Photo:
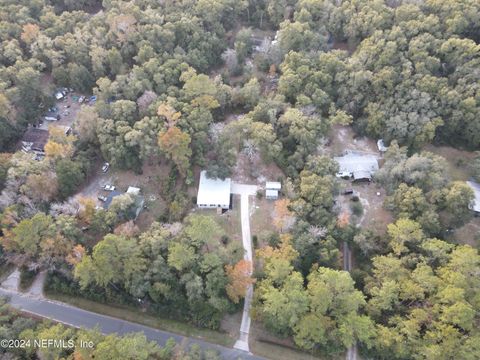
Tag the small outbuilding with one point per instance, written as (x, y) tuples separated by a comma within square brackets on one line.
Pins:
[(213, 192), (381, 146), (272, 189), (475, 205), (133, 190)]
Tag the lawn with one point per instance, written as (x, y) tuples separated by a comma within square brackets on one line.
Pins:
[(261, 220), (269, 346), (144, 318), (26, 279), (5, 270), (468, 234), (458, 161), (230, 221)]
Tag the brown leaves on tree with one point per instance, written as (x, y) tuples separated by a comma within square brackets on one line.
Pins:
[(174, 143), (239, 277), (282, 215)]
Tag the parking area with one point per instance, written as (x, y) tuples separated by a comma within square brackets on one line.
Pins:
[(149, 182), (65, 110)]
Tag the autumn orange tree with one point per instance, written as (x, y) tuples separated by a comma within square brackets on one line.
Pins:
[(59, 145), (239, 277), (282, 214), (29, 33), (174, 143)]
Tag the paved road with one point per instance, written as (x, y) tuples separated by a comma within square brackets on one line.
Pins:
[(245, 191), (79, 318)]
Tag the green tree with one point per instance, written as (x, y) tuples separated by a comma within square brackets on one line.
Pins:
[(70, 175)]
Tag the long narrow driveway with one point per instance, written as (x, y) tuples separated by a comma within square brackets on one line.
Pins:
[(79, 318), (245, 191)]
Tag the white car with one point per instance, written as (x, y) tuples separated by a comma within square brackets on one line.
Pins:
[(105, 167), (102, 198), (344, 174), (109, 187)]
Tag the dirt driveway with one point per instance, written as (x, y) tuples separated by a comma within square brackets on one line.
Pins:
[(67, 109), (372, 197)]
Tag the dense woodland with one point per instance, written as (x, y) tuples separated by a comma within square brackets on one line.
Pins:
[(166, 75), (130, 347)]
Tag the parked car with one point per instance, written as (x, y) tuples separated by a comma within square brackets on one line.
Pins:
[(109, 187), (102, 198), (81, 99), (347, 192), (343, 175), (105, 167)]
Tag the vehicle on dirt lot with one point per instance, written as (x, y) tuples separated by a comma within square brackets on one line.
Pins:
[(109, 187), (105, 167), (102, 198)]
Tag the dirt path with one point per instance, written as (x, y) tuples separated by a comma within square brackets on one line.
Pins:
[(12, 281), (37, 286)]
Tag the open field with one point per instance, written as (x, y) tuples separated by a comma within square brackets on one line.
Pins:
[(468, 234), (458, 161)]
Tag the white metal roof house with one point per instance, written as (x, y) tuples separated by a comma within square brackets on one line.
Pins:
[(359, 165), (213, 193), (475, 205)]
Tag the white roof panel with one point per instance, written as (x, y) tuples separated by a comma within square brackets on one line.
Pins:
[(354, 162), (213, 191), (273, 185), (133, 190), (271, 193), (476, 202)]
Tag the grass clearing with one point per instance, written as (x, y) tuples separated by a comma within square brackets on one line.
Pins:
[(26, 279), (261, 220), (5, 270), (458, 160), (230, 221), (469, 234), (138, 316), (269, 346)]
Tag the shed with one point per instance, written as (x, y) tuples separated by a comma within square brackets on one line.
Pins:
[(273, 185), (271, 190), (271, 194), (381, 146), (475, 205), (133, 190), (213, 192)]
